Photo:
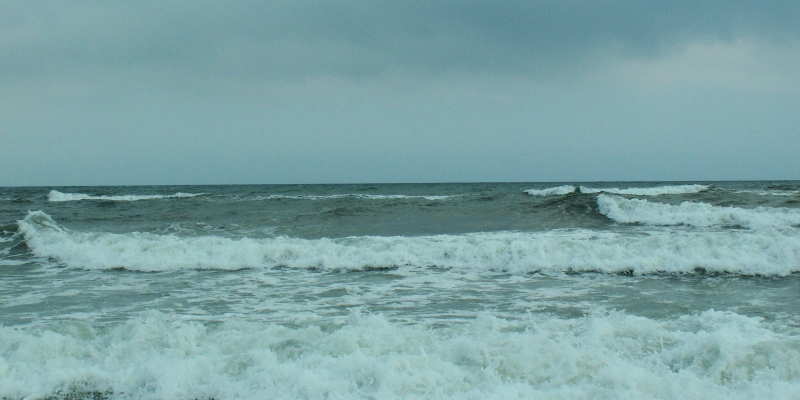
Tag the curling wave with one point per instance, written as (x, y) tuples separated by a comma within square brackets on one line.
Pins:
[(624, 210), (57, 196), (764, 252)]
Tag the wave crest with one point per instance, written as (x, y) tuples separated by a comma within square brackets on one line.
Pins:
[(354, 196), (554, 191), (56, 196), (651, 191), (627, 211), (765, 252)]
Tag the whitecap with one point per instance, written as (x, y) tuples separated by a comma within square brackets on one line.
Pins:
[(649, 191), (763, 252), (640, 211), (771, 192), (354, 195), (57, 196), (553, 191)]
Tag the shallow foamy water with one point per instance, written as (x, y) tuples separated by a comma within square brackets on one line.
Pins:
[(624, 290)]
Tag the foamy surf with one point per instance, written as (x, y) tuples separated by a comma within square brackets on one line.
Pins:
[(764, 252), (553, 191), (651, 191), (353, 196), (711, 355), (57, 196), (11, 262), (624, 210), (771, 192)]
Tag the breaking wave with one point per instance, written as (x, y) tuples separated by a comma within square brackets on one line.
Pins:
[(712, 355), (763, 252), (55, 196), (353, 196), (624, 210), (771, 192), (652, 191), (554, 191)]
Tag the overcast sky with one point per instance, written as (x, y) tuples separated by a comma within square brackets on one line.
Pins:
[(216, 92)]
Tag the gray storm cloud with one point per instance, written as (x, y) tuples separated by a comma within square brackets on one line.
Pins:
[(124, 92), (291, 40)]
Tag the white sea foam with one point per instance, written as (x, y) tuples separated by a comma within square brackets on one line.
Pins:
[(352, 195), (55, 195), (7, 262), (771, 192), (694, 214), (713, 355), (4, 261), (650, 191), (765, 252), (553, 191)]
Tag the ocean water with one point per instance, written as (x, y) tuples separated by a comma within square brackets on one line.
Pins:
[(623, 290)]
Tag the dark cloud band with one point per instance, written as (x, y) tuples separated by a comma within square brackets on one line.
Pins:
[(289, 40)]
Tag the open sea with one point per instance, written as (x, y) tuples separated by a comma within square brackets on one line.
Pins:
[(620, 290)]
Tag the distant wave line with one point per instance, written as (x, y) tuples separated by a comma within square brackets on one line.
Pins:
[(56, 196), (650, 191), (355, 195)]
